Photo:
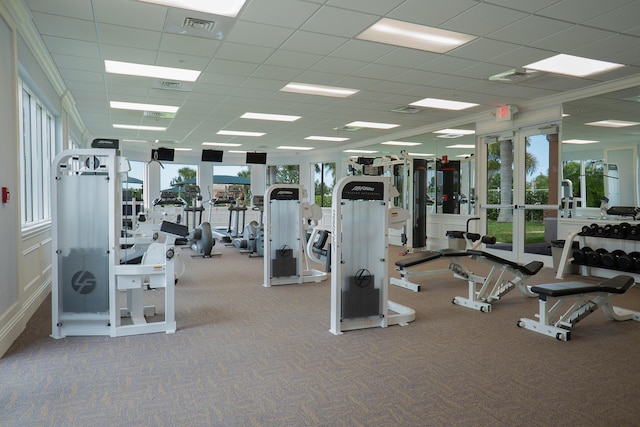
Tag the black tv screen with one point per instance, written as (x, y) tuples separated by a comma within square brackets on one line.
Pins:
[(212, 156), (257, 158), (162, 154)]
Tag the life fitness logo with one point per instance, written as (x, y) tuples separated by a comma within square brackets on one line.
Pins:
[(363, 191), (83, 282)]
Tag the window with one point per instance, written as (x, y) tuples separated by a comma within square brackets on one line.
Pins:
[(324, 179), (283, 174), (37, 148)]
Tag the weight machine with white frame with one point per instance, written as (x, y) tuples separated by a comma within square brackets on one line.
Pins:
[(87, 275), (359, 262)]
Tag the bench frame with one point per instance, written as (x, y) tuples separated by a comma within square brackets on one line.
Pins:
[(558, 314)]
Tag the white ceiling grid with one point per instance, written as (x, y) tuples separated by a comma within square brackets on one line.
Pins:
[(274, 42)]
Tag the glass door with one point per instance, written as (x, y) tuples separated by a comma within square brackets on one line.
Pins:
[(537, 195), (520, 206)]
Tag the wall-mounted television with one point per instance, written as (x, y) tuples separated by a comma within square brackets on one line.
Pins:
[(212, 156), (162, 154), (257, 158)]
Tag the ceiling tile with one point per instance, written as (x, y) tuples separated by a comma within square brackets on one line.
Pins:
[(483, 49), (319, 78), (524, 5), (361, 50), (338, 65), (72, 47), (80, 9), (606, 47), (529, 30), (285, 58), (78, 63), (620, 19), (252, 33), (405, 57), (236, 68), (320, 44), (195, 46), (60, 26), (446, 64), (272, 12), (128, 54), (127, 13), (570, 39), (243, 52), (379, 71), (430, 12), (276, 73), (130, 37), (177, 60), (339, 22), (580, 10), (483, 19)]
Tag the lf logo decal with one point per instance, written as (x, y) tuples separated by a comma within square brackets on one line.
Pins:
[(83, 282)]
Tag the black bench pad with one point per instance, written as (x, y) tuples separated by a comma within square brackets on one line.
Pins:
[(418, 259), (529, 269), (616, 285)]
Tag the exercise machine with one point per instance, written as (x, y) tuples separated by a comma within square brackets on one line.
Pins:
[(200, 238), (237, 208), (88, 279), (359, 261), (564, 304), (252, 239), (288, 215)]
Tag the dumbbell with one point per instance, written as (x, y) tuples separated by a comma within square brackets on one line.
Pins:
[(625, 226), (489, 240), (635, 256), (625, 262), (610, 259), (633, 232), (617, 232), (589, 230), (580, 255), (594, 258), (600, 231)]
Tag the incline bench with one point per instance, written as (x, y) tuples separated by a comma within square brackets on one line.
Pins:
[(582, 299), (404, 265), (502, 278)]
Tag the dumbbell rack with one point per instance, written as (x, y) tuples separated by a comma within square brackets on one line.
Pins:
[(608, 235)]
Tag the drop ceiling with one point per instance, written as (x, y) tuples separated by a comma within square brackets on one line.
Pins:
[(274, 42)]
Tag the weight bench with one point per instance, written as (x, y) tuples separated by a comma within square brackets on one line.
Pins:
[(404, 265), (582, 299), (503, 277)]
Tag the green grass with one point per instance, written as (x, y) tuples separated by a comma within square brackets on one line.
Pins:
[(503, 231)]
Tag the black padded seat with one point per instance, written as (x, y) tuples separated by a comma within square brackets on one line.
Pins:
[(418, 259), (529, 269), (455, 234), (563, 289), (616, 285), (448, 252)]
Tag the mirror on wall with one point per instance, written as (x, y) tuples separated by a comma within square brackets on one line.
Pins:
[(600, 139), (450, 166)]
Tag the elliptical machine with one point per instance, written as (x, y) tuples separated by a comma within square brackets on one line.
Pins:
[(252, 239), (200, 239)]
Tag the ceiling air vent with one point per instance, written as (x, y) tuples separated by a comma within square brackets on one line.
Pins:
[(406, 110), (158, 115), (347, 128), (171, 85), (514, 75), (198, 24)]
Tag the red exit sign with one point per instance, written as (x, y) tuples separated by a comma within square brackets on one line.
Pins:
[(504, 113)]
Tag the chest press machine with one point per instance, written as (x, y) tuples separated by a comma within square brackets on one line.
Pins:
[(562, 305)]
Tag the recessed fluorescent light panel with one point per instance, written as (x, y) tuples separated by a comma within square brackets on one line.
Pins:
[(360, 151), (414, 36), (456, 131), (239, 133), (183, 149), (141, 70), (309, 89), (401, 143), (326, 138), (229, 8), (290, 147), (421, 154), (575, 66), (462, 146), (443, 104), (372, 125), (221, 144), (579, 141), (274, 117), (237, 151), (143, 107), (136, 127), (613, 123)]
